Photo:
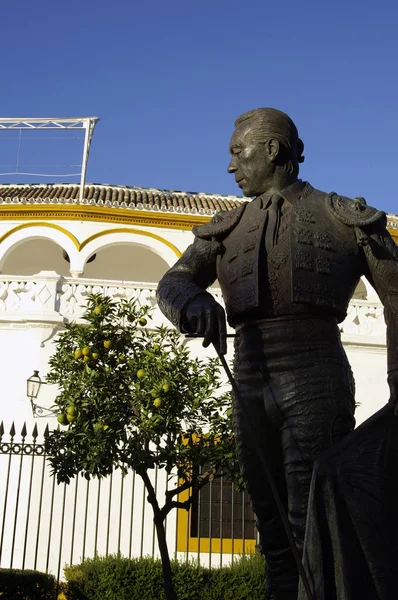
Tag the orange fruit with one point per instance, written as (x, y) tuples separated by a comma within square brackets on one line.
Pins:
[(62, 419)]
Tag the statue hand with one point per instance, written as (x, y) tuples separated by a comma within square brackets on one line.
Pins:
[(205, 317), (393, 384)]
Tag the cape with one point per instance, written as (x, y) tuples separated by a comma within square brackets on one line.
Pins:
[(351, 543)]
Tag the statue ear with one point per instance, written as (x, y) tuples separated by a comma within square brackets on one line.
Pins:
[(272, 148)]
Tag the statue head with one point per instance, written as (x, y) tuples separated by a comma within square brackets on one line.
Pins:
[(265, 142)]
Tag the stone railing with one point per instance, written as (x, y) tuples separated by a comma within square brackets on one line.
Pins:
[(364, 318), (72, 293), (51, 299)]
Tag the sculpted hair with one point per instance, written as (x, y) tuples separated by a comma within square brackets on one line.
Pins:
[(273, 123)]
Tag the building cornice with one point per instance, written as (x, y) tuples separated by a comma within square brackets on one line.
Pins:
[(106, 214)]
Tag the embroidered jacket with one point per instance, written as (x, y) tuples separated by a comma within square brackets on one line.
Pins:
[(329, 243)]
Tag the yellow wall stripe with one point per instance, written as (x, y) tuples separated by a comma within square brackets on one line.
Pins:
[(124, 216)]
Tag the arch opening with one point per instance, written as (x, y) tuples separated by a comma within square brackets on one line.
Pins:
[(361, 292), (126, 262), (30, 256)]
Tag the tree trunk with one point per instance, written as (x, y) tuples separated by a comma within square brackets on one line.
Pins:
[(161, 535), (166, 566)]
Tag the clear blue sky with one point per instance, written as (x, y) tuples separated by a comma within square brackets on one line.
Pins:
[(168, 78)]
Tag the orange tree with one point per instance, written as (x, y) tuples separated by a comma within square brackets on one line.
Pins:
[(131, 397)]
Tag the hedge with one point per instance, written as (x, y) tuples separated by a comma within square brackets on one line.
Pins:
[(16, 584), (118, 578)]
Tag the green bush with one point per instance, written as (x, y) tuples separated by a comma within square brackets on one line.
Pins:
[(27, 585), (117, 578), (240, 581)]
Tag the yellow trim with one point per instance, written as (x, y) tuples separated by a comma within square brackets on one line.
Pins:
[(137, 231), (185, 543), (111, 215), (394, 234), (80, 246), (42, 224), (105, 214)]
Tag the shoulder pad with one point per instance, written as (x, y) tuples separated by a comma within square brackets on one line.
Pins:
[(354, 212), (221, 224)]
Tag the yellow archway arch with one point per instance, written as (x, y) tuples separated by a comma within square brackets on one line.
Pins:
[(131, 230), (81, 245), (41, 224)]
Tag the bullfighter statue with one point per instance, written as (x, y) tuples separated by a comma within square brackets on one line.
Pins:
[(288, 262)]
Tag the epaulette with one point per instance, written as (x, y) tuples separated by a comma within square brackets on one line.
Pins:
[(353, 211), (221, 224)]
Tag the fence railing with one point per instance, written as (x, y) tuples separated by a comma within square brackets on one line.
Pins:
[(44, 525), (47, 297)]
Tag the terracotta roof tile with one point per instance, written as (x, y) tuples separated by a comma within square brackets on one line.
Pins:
[(126, 197), (112, 195)]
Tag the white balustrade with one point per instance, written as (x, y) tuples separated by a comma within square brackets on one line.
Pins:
[(364, 318), (48, 297)]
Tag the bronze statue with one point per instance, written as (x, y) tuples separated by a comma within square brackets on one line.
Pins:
[(288, 263)]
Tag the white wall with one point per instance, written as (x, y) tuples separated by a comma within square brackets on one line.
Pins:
[(369, 365), (28, 324)]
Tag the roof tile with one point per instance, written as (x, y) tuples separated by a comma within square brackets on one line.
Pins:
[(126, 197)]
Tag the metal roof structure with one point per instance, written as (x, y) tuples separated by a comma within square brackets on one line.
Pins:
[(87, 124)]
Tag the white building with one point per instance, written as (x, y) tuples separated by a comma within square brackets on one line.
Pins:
[(54, 250)]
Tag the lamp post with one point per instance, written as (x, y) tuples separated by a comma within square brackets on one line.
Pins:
[(33, 385)]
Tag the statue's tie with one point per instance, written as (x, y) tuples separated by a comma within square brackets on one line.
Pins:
[(273, 207)]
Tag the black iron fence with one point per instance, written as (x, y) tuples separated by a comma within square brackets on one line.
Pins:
[(44, 525)]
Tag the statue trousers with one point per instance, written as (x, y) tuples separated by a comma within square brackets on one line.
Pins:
[(298, 390)]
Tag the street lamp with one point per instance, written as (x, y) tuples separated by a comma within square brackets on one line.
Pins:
[(33, 385)]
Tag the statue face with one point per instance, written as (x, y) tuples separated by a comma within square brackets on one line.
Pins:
[(250, 163)]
